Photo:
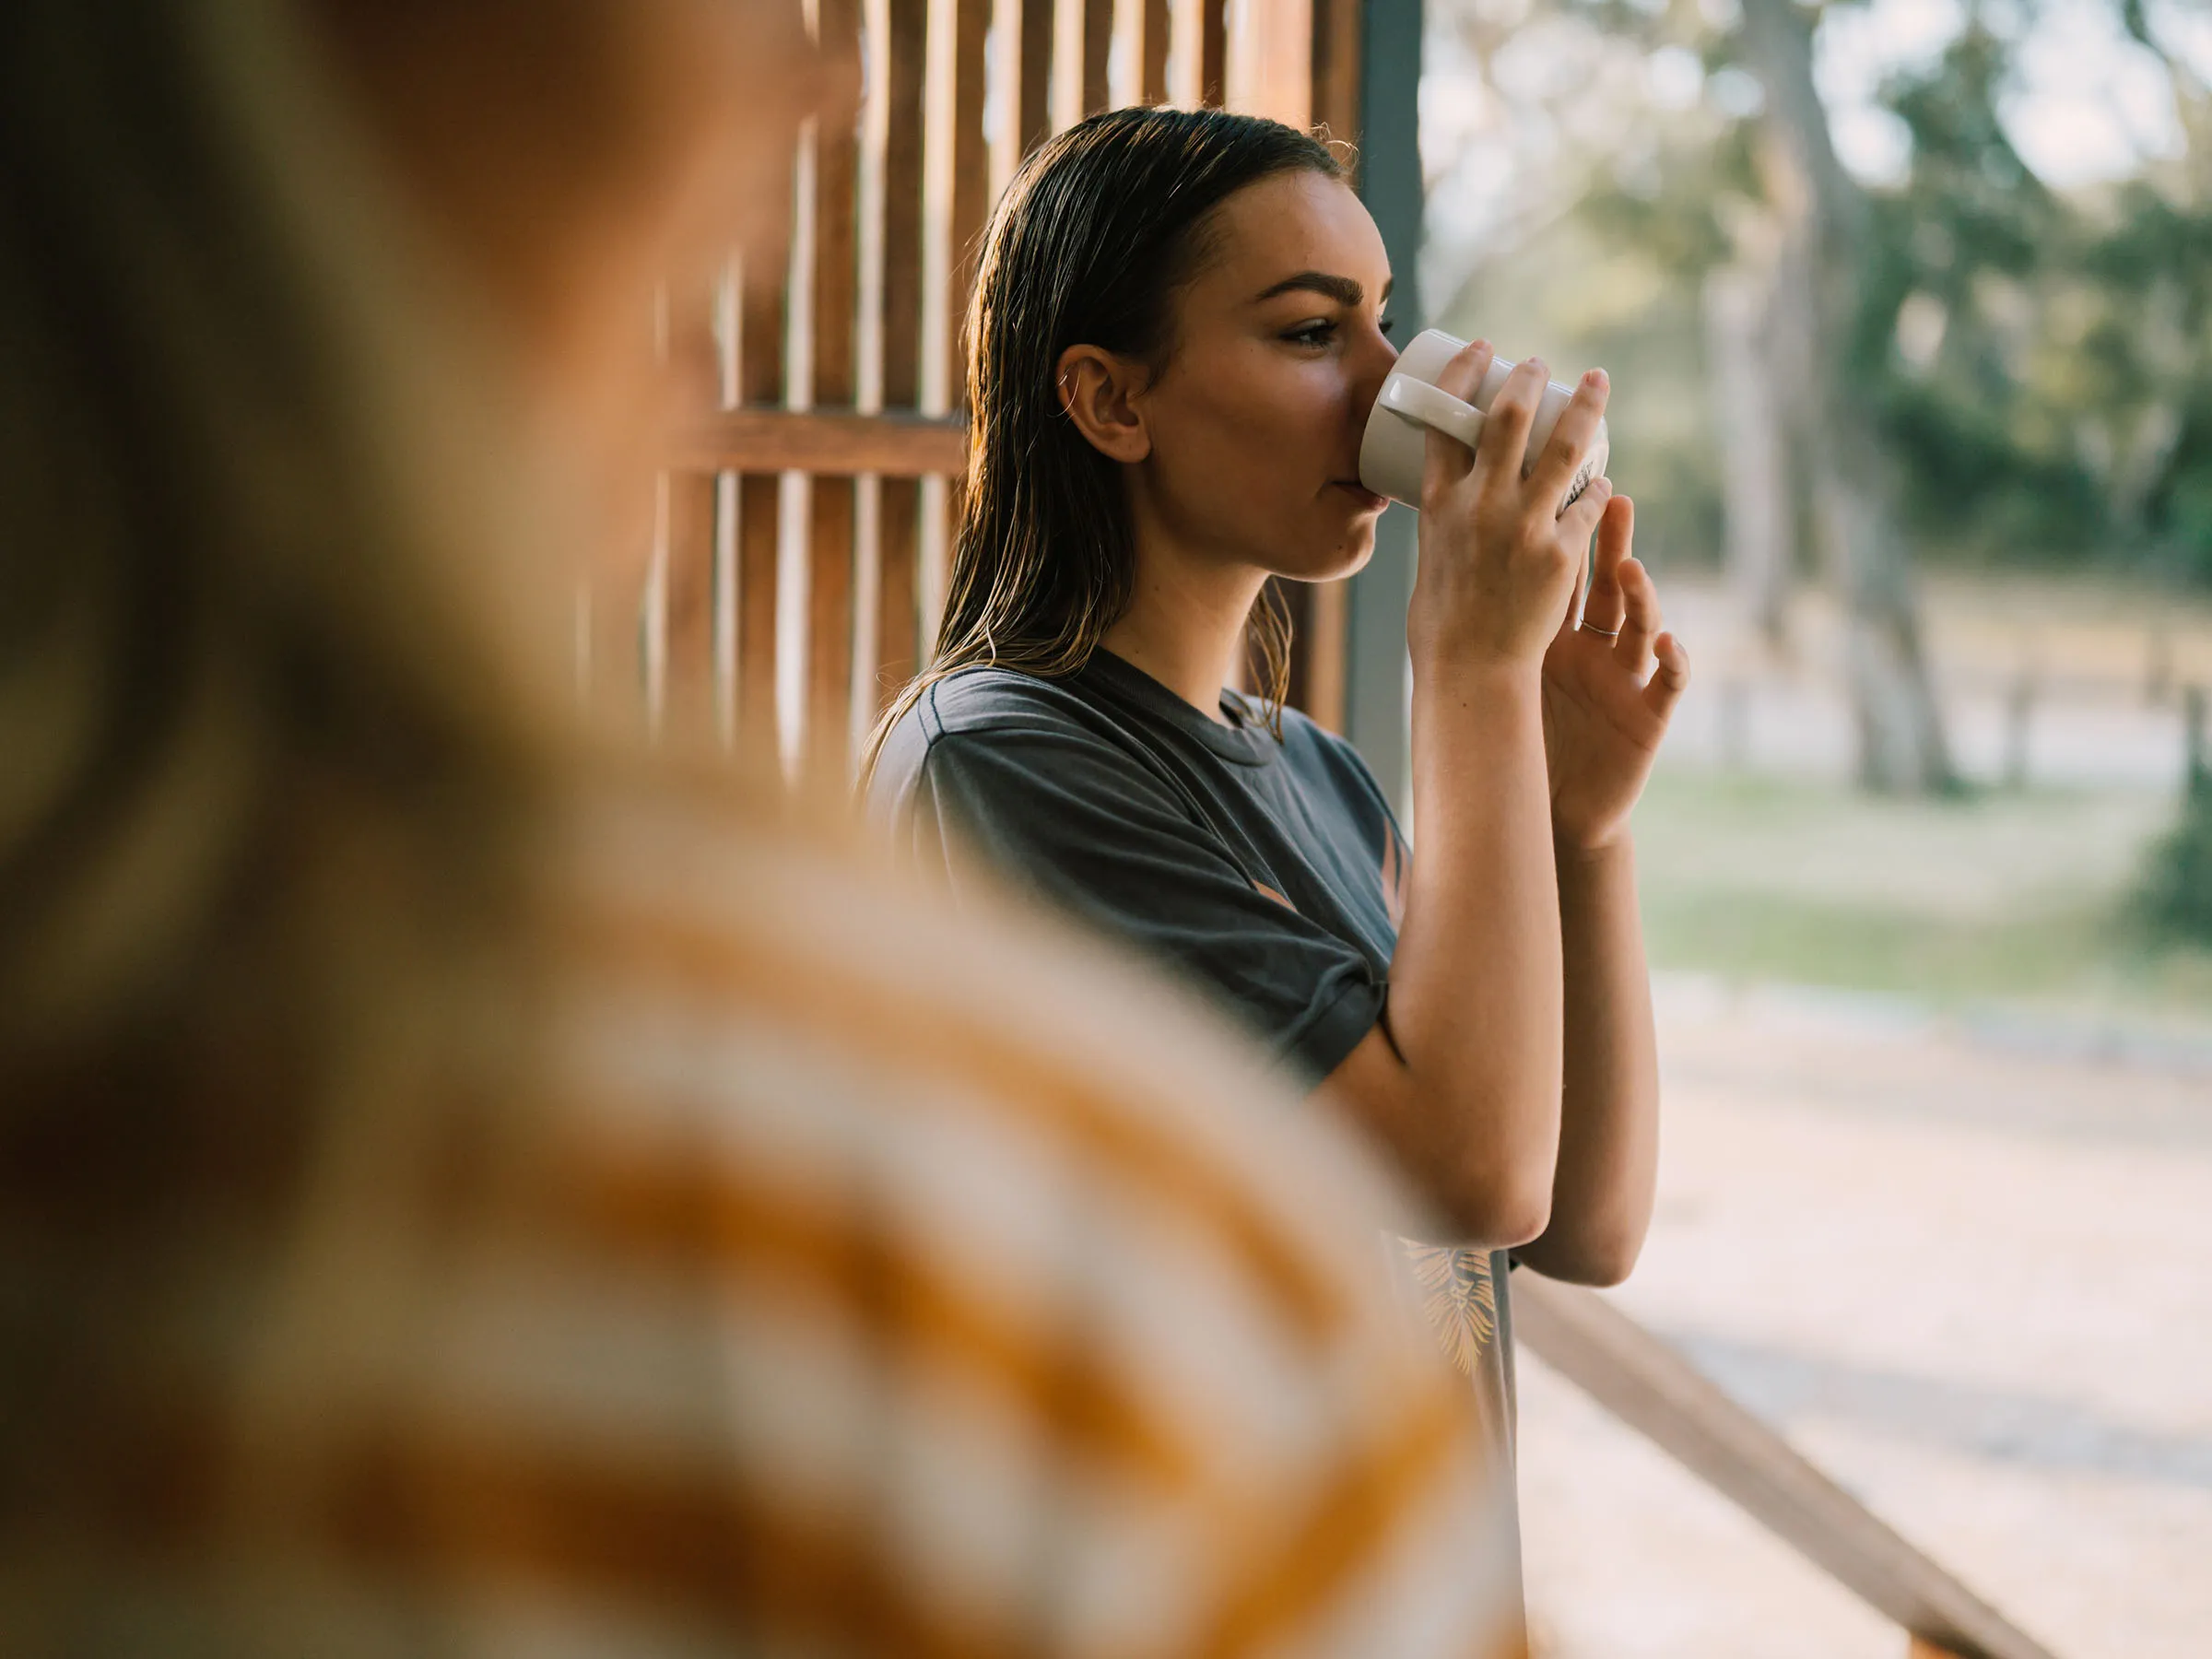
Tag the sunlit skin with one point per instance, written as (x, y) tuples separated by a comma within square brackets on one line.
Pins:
[(1515, 1072)]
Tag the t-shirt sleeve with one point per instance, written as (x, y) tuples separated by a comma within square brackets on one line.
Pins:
[(1074, 819)]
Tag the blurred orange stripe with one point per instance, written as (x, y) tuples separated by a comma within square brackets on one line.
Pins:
[(700, 1212), (911, 1037)]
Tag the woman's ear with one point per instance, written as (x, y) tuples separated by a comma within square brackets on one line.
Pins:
[(1099, 391)]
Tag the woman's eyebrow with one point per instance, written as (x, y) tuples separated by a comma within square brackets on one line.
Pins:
[(1343, 290)]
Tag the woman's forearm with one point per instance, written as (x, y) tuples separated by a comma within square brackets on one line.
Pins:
[(1475, 1013), (1608, 1154), (1462, 1077)]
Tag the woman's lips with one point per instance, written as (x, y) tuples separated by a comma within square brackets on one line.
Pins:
[(1367, 498)]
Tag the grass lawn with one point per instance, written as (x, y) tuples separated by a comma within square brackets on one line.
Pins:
[(1999, 896)]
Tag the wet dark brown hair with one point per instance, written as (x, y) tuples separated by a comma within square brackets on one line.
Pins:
[(1097, 233)]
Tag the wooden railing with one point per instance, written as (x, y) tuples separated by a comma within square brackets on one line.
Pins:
[(1653, 1389), (831, 442), (798, 558)]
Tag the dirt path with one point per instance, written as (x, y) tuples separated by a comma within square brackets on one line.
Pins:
[(1975, 1285)]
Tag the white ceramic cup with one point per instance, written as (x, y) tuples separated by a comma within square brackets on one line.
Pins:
[(1393, 450)]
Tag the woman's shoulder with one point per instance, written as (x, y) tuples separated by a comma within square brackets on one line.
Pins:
[(991, 708), (982, 700)]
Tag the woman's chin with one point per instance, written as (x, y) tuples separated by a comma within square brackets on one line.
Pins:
[(1347, 557)]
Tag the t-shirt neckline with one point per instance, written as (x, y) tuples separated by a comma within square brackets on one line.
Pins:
[(1245, 741)]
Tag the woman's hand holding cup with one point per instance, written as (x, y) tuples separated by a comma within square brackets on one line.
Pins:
[(1500, 561)]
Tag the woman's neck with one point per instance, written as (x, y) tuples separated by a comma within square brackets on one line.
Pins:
[(1185, 622)]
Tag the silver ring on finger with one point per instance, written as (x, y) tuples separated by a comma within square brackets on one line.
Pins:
[(1609, 633)]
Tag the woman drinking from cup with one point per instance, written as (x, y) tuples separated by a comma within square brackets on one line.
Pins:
[(1175, 342)]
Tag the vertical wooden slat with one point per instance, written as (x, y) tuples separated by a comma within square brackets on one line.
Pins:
[(1033, 110), (1097, 48), (898, 622), (688, 710), (687, 707), (1157, 24), (722, 620), (760, 378), (1336, 68), (829, 536), (1317, 653), (1270, 65), (971, 173), (1213, 51), (971, 201)]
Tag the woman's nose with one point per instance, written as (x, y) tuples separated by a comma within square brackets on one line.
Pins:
[(1371, 368)]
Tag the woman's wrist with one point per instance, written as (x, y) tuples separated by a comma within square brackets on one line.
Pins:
[(1591, 858), (1460, 671)]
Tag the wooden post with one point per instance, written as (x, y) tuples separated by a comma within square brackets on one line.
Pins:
[(1390, 184)]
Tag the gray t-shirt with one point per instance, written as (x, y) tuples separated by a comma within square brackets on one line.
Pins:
[(1270, 874)]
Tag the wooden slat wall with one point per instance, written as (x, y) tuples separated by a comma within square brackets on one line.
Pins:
[(700, 649)]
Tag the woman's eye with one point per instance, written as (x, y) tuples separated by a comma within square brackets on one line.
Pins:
[(1312, 334), (1387, 325)]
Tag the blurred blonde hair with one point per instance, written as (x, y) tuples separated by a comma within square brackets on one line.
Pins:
[(275, 739), (248, 545)]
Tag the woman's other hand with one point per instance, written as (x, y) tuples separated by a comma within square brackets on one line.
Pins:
[(1610, 686), (1498, 561)]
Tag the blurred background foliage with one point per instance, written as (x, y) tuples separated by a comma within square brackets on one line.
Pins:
[(2014, 297), (2041, 354)]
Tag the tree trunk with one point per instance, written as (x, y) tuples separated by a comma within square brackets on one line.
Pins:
[(1759, 519), (1852, 477)]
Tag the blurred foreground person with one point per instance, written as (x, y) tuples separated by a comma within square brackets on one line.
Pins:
[(464, 1190)]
